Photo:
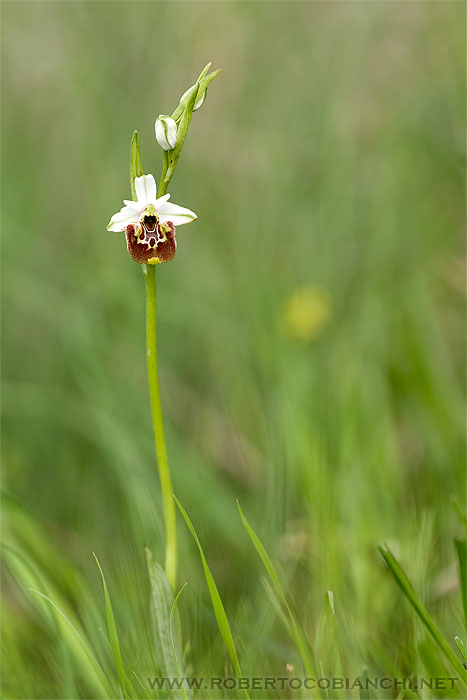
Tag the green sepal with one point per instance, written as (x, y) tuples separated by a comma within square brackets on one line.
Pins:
[(136, 168)]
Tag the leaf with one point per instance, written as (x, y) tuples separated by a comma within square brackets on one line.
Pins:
[(460, 546), (100, 675), (409, 592), (113, 636), (161, 611), (136, 168), (219, 610)]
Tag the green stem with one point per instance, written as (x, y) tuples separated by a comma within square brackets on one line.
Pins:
[(161, 450), (162, 189)]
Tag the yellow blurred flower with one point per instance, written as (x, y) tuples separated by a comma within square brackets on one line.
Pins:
[(305, 312)]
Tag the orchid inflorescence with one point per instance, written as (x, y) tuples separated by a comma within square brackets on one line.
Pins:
[(149, 219)]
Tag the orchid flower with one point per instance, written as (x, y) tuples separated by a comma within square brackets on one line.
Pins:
[(149, 223)]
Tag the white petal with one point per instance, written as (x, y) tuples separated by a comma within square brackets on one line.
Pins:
[(146, 189), (133, 205), (122, 218), (177, 215), (162, 199), (125, 213)]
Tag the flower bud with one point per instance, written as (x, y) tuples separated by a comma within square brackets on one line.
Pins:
[(166, 132), (198, 103)]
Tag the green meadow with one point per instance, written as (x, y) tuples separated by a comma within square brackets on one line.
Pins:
[(311, 350)]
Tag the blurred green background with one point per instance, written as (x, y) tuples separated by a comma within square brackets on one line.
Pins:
[(311, 326)]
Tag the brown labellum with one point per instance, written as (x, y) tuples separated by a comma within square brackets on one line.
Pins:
[(151, 242)]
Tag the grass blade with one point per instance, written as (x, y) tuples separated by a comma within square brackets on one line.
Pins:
[(460, 546), (364, 692), (219, 610), (326, 645), (145, 690), (462, 649), (113, 636), (100, 675), (409, 592), (27, 576), (460, 512), (278, 606), (294, 628), (263, 555)]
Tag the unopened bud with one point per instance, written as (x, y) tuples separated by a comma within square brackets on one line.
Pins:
[(198, 103), (166, 132)]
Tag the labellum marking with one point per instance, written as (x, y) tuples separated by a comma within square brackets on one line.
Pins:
[(147, 227)]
